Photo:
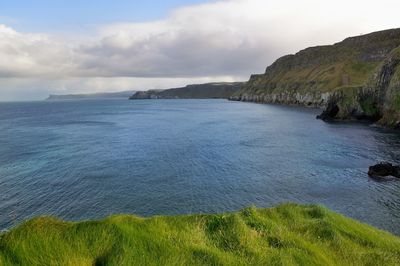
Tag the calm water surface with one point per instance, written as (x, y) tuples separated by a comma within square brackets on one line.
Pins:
[(88, 159)]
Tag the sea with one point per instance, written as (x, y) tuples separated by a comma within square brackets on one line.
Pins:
[(88, 159)]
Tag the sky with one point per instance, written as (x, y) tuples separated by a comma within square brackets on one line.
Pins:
[(78, 15), (71, 46)]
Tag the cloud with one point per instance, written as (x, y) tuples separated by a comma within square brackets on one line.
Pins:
[(231, 39), (28, 55)]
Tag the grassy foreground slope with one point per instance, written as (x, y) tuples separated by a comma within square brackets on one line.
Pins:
[(286, 235)]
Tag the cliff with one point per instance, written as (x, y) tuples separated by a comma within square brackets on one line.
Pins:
[(198, 91), (357, 78)]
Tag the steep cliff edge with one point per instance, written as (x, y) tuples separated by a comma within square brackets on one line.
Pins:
[(388, 90), (357, 78)]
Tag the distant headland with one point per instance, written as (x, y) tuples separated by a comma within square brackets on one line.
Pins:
[(101, 95), (221, 90)]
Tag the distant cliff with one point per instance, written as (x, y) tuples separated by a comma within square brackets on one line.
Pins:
[(105, 95), (221, 90), (358, 78)]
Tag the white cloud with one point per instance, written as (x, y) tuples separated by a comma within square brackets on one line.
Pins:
[(26, 55), (231, 38)]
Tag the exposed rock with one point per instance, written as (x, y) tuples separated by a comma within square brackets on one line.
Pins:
[(352, 103), (388, 90), (378, 100), (384, 169), (330, 112), (310, 99)]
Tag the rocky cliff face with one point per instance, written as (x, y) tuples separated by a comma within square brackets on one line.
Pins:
[(358, 78), (378, 100), (289, 97), (388, 90)]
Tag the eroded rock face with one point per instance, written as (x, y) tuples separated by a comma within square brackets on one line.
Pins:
[(388, 88), (384, 169), (378, 100), (330, 112), (310, 99), (355, 103)]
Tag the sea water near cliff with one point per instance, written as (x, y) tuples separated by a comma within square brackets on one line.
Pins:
[(87, 159)]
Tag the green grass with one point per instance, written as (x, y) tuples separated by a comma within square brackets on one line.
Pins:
[(396, 101), (286, 235)]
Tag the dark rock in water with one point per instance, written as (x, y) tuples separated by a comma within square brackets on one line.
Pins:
[(330, 112), (384, 169)]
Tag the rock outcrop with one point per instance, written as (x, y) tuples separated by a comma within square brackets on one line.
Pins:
[(384, 169), (358, 78), (221, 90), (330, 112)]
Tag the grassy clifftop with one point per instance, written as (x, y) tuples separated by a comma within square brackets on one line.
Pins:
[(325, 68), (286, 235)]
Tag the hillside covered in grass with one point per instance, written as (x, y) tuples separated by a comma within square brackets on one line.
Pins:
[(286, 235), (221, 90), (358, 76)]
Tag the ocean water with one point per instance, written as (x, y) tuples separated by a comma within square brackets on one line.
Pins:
[(88, 159)]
